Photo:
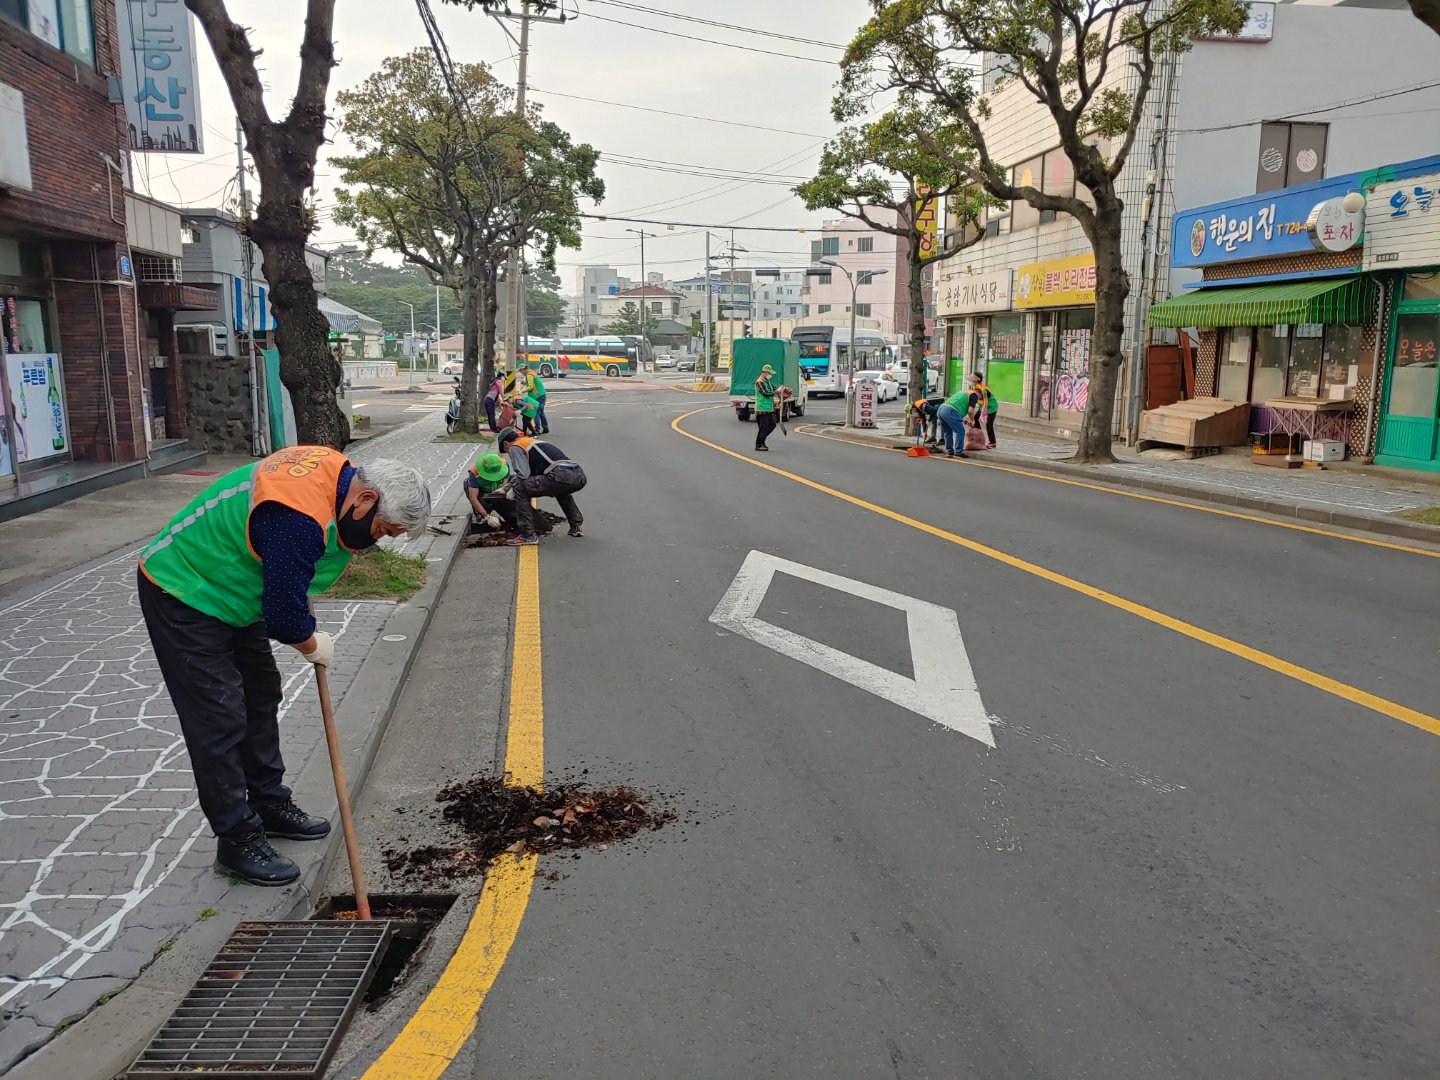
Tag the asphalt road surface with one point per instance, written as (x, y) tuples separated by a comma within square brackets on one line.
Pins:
[(1179, 858)]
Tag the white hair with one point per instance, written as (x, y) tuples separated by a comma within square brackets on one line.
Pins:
[(404, 494)]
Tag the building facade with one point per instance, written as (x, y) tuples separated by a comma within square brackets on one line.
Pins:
[(593, 284), (73, 383), (778, 294), (861, 250), (1253, 113)]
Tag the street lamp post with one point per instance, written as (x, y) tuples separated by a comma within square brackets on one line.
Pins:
[(850, 345), (410, 366)]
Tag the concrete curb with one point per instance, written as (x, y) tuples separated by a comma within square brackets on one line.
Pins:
[(1301, 512), (102, 1045)]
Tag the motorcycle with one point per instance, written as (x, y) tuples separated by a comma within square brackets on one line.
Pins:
[(452, 411)]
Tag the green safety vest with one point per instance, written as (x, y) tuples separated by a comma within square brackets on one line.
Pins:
[(204, 558)]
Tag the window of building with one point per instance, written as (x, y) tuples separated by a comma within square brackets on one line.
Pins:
[(865, 243), (822, 309), (823, 279), (1026, 174), (1234, 380), (1422, 287), (594, 309), (862, 310), (65, 24), (864, 277), (1308, 360), (830, 245), (1290, 154)]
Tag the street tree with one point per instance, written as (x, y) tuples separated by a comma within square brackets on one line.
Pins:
[(1428, 12), (884, 163), (626, 321), (449, 176), (1088, 64), (284, 153)]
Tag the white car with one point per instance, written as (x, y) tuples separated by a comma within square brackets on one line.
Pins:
[(901, 371), (664, 361), (452, 367), (887, 388)]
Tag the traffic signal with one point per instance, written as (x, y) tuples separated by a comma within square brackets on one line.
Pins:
[(746, 329)]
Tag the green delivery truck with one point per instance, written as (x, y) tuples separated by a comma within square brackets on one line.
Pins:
[(750, 355)]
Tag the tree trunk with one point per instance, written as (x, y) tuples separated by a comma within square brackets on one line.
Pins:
[(1112, 286), (489, 305), (916, 388), (470, 375), (308, 368)]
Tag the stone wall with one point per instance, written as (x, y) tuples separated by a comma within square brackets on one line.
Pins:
[(217, 390)]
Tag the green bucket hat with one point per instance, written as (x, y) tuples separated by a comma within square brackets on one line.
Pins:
[(768, 370), (492, 467)]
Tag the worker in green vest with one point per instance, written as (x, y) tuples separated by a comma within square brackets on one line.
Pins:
[(234, 569), (536, 389), (484, 481)]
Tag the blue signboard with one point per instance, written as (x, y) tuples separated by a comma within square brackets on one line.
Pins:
[(1273, 223), (1257, 227)]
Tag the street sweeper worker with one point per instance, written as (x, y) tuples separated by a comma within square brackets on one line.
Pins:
[(540, 468), (234, 569), (484, 484)]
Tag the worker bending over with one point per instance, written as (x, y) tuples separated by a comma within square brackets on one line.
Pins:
[(233, 569), (540, 468), (484, 484)]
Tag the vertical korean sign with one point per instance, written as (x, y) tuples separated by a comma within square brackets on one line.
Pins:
[(925, 219), (161, 85)]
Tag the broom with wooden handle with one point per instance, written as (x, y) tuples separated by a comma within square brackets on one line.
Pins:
[(337, 770)]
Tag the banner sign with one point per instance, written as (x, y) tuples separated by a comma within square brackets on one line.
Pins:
[(926, 218), (37, 408), (1403, 223), (973, 292), (158, 77), (1056, 283), (1257, 227)]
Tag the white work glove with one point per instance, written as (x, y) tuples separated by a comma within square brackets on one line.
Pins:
[(494, 520), (324, 652), (510, 493)]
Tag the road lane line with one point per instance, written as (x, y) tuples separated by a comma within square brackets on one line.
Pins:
[(1353, 694), (803, 429), (446, 1019)]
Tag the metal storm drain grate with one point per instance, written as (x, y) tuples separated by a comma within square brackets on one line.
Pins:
[(273, 1002)]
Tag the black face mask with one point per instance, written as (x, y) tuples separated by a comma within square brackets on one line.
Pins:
[(355, 532)]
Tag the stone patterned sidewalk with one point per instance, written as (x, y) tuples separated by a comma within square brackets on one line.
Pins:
[(104, 855)]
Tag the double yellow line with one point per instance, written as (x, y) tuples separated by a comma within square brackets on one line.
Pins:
[(428, 1043), (1353, 694)]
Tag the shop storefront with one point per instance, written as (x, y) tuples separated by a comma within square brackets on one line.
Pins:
[(1287, 319), (34, 431), (1403, 236), (1061, 293), (964, 302)]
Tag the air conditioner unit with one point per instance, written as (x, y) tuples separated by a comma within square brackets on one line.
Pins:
[(203, 339)]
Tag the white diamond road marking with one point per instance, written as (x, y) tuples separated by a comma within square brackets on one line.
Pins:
[(944, 688), (104, 854)]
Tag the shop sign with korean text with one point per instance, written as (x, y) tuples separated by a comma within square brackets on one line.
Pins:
[(965, 293), (1056, 283), (1258, 227), (1259, 26), (158, 77), (37, 405), (1403, 224), (926, 217)]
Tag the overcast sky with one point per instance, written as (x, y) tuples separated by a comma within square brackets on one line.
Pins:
[(594, 61)]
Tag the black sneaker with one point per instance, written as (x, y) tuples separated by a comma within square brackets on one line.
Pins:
[(251, 857), (575, 531), (289, 822)]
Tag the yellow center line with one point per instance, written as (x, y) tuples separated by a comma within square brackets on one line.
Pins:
[(804, 429), (1224, 644), (428, 1043)]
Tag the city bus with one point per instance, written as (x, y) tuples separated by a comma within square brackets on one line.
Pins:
[(616, 356), (825, 356)]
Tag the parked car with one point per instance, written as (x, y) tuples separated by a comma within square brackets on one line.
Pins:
[(900, 369), (452, 367), (685, 363), (887, 387), (664, 361)]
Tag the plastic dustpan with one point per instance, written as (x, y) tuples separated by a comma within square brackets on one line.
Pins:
[(917, 451)]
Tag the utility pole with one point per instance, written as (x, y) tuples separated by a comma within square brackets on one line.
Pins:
[(410, 367), (437, 330), (644, 309), (707, 304), (258, 442)]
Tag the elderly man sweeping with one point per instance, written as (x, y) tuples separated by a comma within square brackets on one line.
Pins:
[(232, 570)]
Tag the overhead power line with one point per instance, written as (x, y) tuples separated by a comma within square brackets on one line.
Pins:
[(667, 112), (704, 225), (721, 25), (710, 41)]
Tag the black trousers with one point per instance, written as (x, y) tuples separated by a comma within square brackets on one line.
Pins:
[(560, 483), (990, 428), (764, 425), (227, 692)]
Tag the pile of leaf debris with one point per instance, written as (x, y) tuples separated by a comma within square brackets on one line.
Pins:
[(483, 536), (492, 817)]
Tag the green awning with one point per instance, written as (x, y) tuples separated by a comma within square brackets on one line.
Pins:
[(1345, 300)]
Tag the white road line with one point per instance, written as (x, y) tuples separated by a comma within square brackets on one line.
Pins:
[(944, 688)]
